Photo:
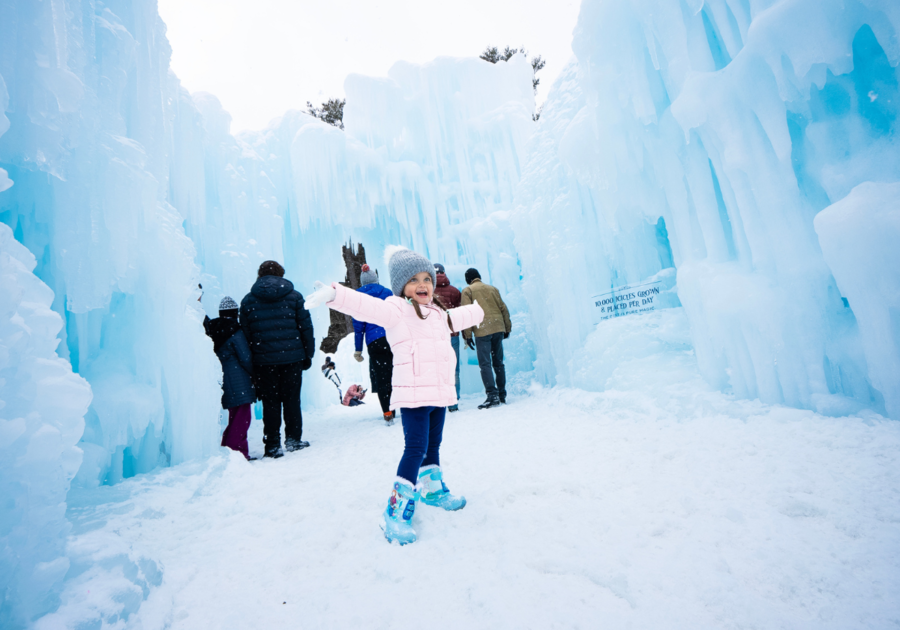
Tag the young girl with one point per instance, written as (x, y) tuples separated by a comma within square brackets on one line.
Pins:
[(230, 345), (418, 329)]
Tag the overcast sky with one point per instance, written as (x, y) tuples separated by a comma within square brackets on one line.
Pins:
[(264, 57)]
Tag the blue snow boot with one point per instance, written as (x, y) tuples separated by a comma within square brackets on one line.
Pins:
[(433, 490), (399, 512)]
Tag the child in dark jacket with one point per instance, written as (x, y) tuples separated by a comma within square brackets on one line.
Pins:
[(381, 359), (231, 347)]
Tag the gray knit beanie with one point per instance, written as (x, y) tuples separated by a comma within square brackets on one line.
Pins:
[(227, 304), (368, 276), (403, 264)]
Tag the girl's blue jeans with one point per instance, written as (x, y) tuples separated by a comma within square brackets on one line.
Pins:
[(423, 428)]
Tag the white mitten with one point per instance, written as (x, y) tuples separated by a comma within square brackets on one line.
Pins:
[(320, 296), (358, 356)]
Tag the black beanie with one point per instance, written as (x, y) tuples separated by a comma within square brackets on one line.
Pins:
[(471, 275)]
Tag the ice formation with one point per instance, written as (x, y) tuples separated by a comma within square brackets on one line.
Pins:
[(860, 236), (42, 407), (95, 126), (741, 153), (706, 136)]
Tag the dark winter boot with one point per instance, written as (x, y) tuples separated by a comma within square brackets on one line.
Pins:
[(295, 445), (492, 401), (389, 417), (503, 399), (274, 453), (453, 408)]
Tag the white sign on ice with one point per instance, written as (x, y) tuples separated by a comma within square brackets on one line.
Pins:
[(633, 298)]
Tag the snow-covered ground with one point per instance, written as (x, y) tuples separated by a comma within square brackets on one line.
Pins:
[(658, 503)]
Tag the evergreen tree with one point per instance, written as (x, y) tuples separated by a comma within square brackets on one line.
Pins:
[(490, 54), (537, 63), (331, 111), (493, 55)]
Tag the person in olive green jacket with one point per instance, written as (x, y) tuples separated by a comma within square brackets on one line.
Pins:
[(489, 336)]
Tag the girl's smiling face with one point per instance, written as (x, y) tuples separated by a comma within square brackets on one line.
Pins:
[(419, 288)]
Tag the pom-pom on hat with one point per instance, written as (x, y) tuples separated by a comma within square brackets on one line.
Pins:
[(368, 276), (227, 304), (404, 264)]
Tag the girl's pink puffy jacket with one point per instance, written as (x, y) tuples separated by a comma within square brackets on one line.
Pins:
[(424, 361)]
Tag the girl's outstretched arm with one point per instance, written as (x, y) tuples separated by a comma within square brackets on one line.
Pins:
[(364, 307), (357, 305), (466, 316)]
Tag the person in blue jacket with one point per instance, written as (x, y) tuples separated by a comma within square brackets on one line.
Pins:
[(381, 359)]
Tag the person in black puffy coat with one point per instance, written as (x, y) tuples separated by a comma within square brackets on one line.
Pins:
[(230, 345), (280, 333)]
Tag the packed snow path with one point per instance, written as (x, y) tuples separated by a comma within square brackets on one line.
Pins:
[(663, 506)]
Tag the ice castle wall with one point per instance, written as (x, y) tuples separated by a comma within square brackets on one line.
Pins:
[(706, 136), (95, 120)]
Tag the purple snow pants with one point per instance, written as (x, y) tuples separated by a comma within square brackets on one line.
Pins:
[(235, 434)]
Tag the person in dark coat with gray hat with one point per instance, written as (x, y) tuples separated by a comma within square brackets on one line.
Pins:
[(280, 333), (230, 345)]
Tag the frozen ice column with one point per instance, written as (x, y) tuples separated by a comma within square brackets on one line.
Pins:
[(859, 236), (42, 407)]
